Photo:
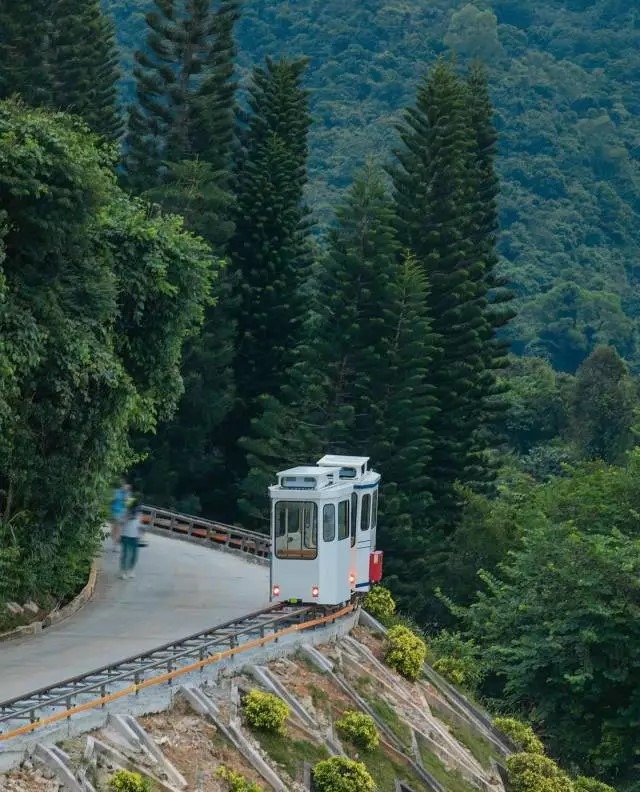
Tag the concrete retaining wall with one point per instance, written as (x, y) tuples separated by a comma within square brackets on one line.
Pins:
[(160, 698)]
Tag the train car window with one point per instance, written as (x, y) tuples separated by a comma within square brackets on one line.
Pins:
[(365, 512), (374, 511), (296, 529), (329, 522), (354, 517), (343, 519)]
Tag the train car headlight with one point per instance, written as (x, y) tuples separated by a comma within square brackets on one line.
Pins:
[(276, 591), (315, 591), (352, 579)]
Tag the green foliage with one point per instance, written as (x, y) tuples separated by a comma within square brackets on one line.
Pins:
[(265, 711), (529, 772), (443, 182), (62, 55), (236, 782), (456, 659), (405, 652), (379, 603), (127, 781), (359, 374), (603, 406), (98, 299), (584, 784), (359, 728), (339, 774), (574, 594), (521, 734)]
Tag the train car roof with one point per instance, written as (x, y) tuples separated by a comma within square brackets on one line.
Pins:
[(333, 460)]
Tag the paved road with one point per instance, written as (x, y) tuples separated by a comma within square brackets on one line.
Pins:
[(180, 588)]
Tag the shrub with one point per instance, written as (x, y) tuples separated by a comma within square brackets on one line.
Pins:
[(379, 603), (584, 784), (452, 669), (529, 772), (265, 711), (405, 652), (340, 774), (522, 735), (126, 781), (360, 729), (457, 659), (237, 782)]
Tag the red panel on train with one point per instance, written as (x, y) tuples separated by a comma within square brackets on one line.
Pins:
[(375, 566)]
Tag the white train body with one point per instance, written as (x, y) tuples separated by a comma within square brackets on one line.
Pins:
[(323, 531)]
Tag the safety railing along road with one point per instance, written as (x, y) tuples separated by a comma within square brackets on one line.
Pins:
[(230, 536)]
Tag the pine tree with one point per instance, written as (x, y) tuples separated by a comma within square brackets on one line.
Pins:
[(359, 382), (269, 249), (434, 188), (83, 63), (179, 154), (484, 234), (24, 49), (185, 91)]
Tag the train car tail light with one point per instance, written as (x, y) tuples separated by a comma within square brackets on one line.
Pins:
[(276, 591), (352, 579), (315, 591)]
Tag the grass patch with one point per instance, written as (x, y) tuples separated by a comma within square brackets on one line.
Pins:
[(480, 748), (384, 711), (384, 769), (451, 780), (289, 753), (319, 697)]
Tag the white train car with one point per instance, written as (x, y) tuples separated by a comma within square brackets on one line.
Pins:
[(323, 531)]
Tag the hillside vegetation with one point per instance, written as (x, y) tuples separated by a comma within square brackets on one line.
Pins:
[(562, 74)]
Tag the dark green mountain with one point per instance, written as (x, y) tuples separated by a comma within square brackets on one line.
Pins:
[(564, 77)]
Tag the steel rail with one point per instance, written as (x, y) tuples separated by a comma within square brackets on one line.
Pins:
[(60, 701)]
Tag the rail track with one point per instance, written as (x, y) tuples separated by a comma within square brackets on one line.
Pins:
[(98, 688)]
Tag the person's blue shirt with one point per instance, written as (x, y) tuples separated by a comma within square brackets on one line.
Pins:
[(119, 503)]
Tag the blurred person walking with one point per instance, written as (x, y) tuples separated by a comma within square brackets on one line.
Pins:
[(118, 512), (130, 536)]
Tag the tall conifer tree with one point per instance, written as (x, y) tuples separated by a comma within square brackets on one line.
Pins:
[(436, 189), (359, 382), (270, 249), (83, 63), (180, 147), (484, 234), (24, 50)]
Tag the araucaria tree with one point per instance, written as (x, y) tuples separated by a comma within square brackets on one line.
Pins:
[(84, 65), (270, 249), (184, 93), (444, 188), (61, 55), (178, 153), (359, 382)]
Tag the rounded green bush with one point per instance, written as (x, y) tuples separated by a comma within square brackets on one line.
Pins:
[(360, 729), (521, 734), (340, 774), (236, 781), (452, 669), (584, 784), (126, 781), (264, 711), (379, 603), (528, 772), (405, 652)]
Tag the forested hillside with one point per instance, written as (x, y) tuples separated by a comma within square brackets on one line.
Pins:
[(562, 75), (204, 286)]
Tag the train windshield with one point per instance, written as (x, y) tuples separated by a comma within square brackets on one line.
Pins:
[(296, 529), (374, 512)]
